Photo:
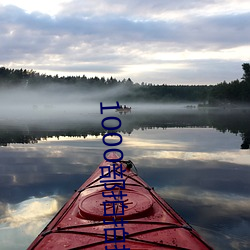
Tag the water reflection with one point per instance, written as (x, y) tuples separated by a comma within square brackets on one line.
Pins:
[(20, 222), (33, 209), (233, 121), (199, 169)]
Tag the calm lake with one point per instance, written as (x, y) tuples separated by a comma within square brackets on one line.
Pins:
[(198, 160)]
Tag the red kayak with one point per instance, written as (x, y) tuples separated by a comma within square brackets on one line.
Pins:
[(116, 209)]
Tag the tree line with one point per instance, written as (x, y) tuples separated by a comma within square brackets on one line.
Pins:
[(236, 91)]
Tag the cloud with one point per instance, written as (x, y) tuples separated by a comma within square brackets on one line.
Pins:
[(145, 10), (125, 40)]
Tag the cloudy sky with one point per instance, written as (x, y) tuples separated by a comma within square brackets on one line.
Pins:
[(157, 41)]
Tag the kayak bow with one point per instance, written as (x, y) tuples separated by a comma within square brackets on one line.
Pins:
[(150, 222)]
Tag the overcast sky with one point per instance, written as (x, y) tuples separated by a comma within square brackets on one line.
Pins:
[(157, 41)]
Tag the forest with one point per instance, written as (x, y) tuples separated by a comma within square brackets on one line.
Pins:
[(224, 93)]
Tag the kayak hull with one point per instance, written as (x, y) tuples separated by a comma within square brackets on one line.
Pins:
[(85, 221)]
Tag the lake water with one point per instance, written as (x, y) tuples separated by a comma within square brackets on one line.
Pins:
[(197, 160)]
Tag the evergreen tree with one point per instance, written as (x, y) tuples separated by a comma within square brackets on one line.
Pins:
[(246, 69)]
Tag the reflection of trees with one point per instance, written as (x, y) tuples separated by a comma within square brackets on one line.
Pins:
[(16, 137), (246, 141), (237, 122), (19, 134)]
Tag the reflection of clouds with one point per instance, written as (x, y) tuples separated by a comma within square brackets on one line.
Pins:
[(59, 157), (147, 144), (69, 138), (203, 144), (25, 220), (237, 156), (184, 139), (2, 209), (222, 219), (151, 136), (214, 185), (228, 203), (29, 211), (52, 167), (228, 240)]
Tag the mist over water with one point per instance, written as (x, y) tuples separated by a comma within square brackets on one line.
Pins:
[(61, 102), (45, 103)]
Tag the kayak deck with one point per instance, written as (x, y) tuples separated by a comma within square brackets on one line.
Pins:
[(86, 220)]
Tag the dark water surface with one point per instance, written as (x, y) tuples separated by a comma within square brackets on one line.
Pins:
[(193, 158)]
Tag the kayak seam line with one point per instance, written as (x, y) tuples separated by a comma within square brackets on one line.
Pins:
[(129, 222), (158, 244), (130, 237)]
